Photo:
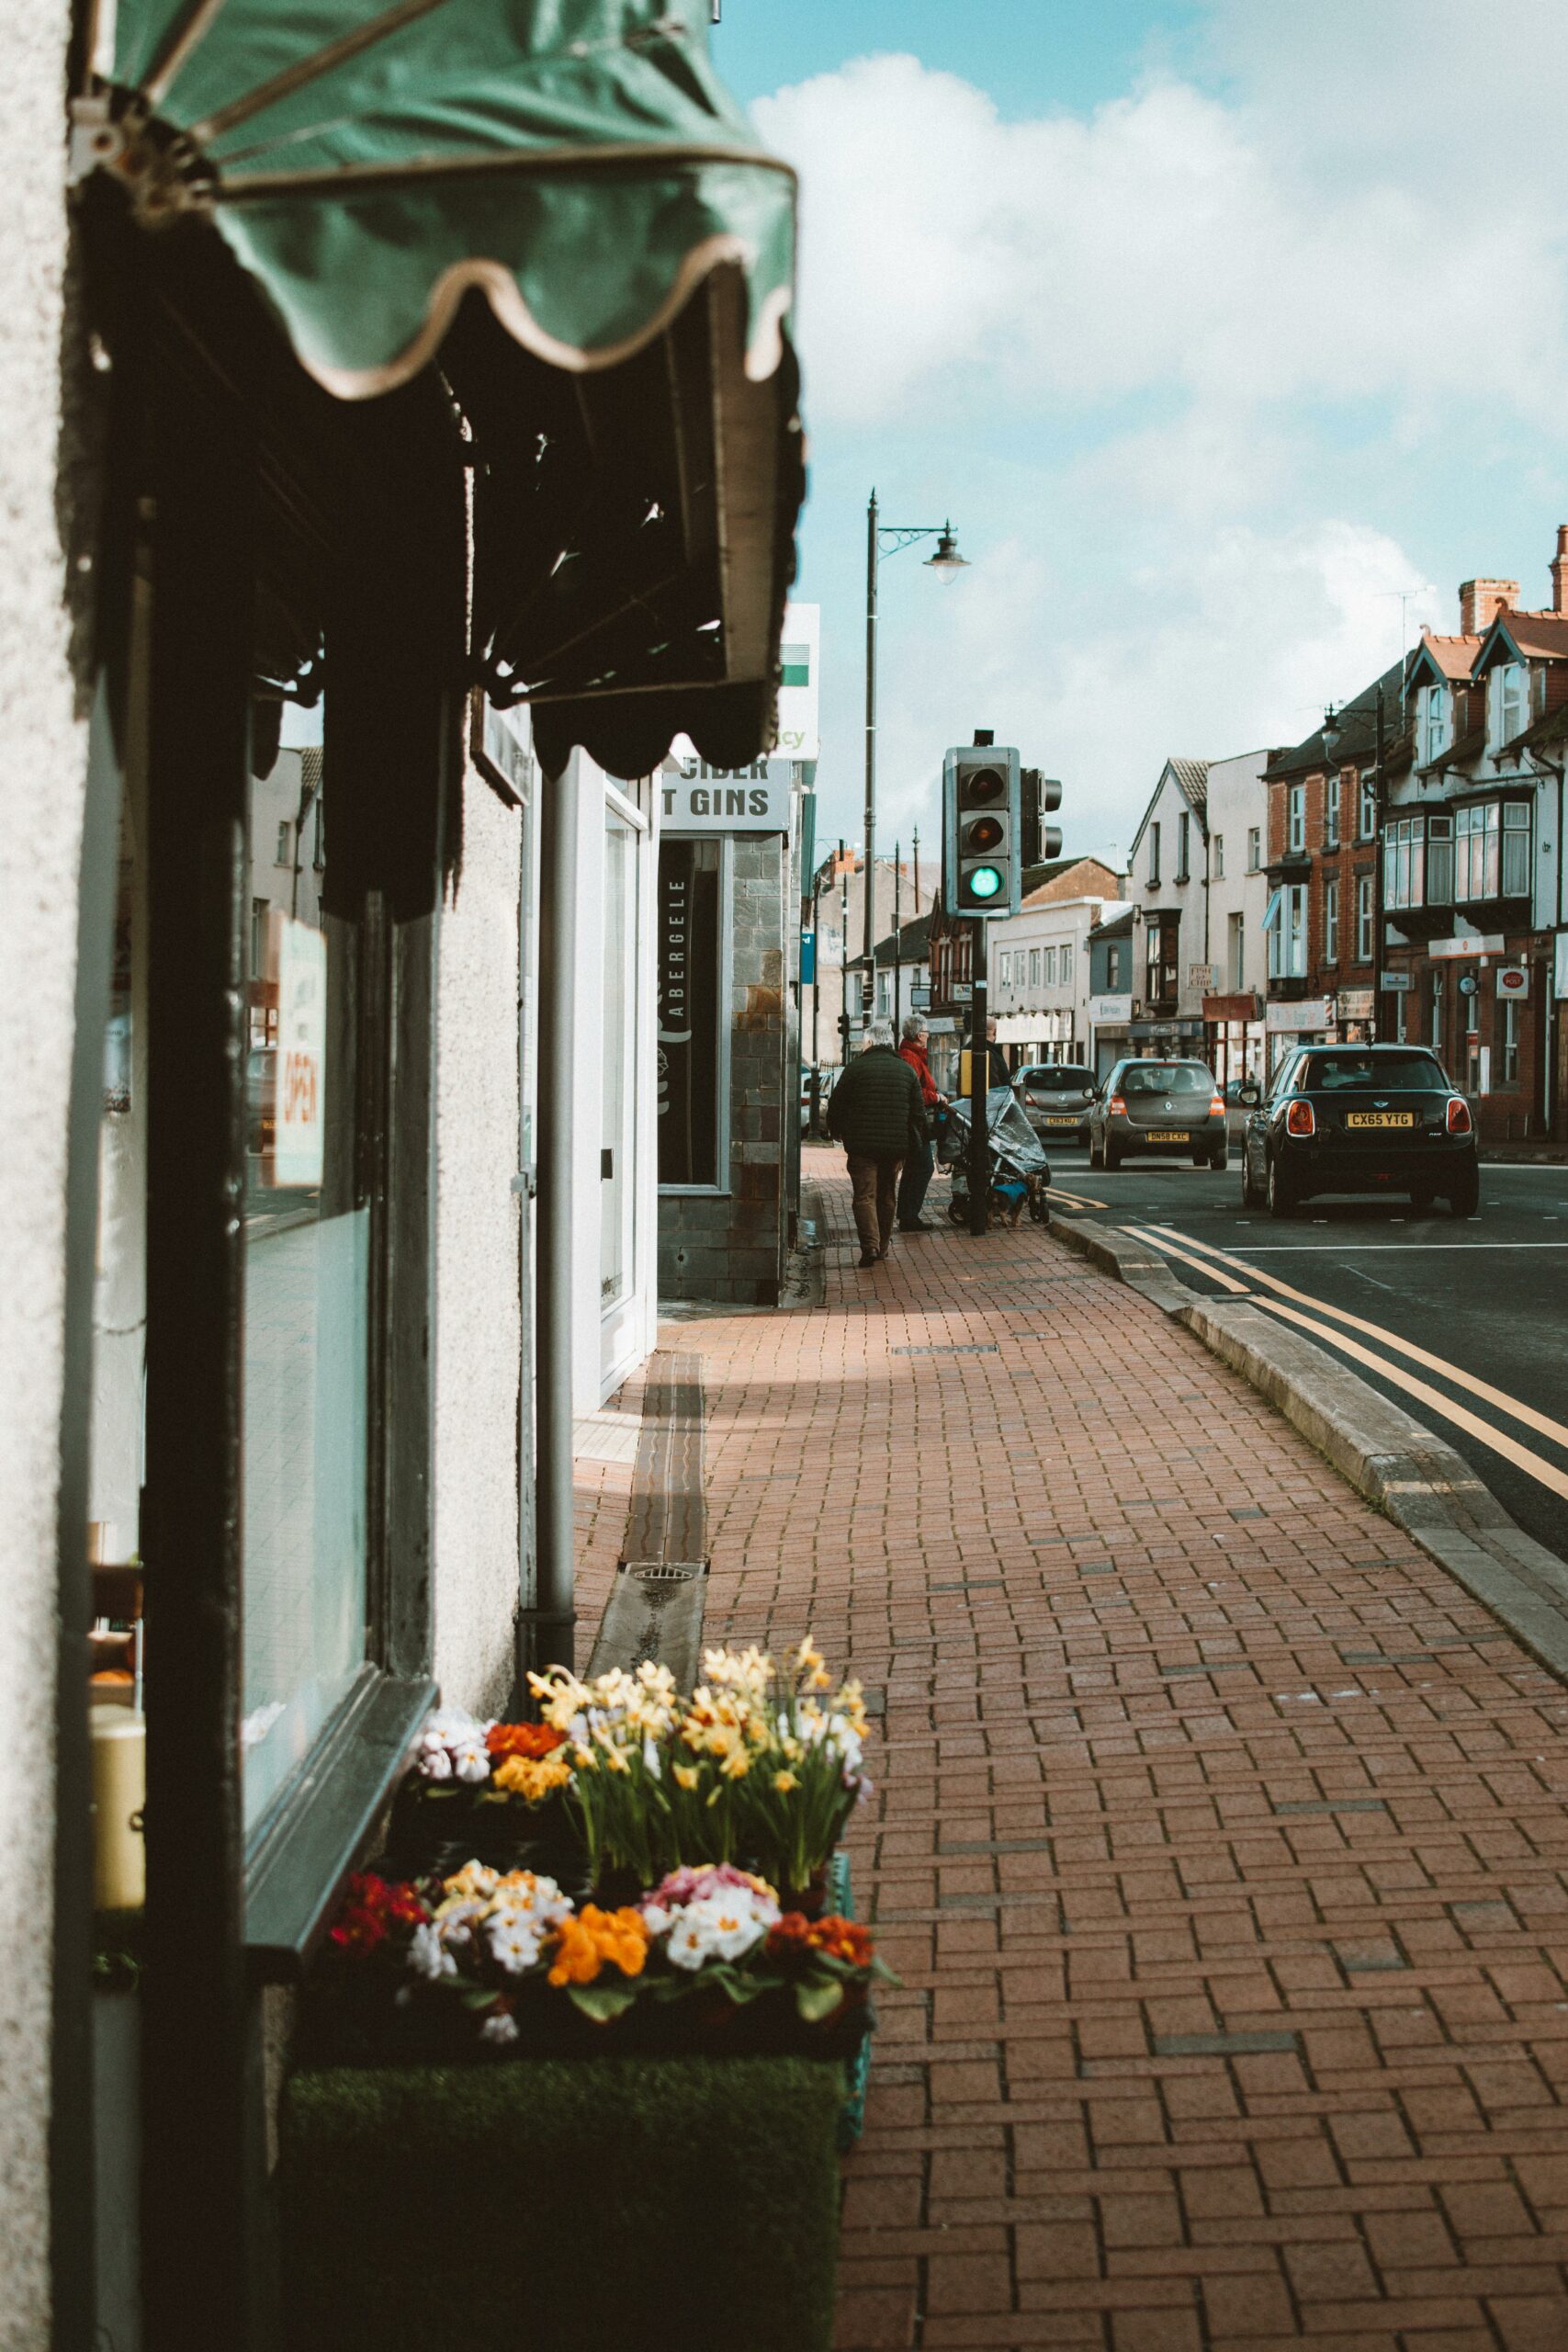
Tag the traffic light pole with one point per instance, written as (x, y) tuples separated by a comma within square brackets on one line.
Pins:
[(979, 1072)]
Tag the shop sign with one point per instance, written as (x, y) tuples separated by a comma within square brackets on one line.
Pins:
[(919, 998), (1355, 1004), (1392, 984), (690, 995), (1199, 978), (1513, 979), (1296, 1020), (798, 656), (697, 798), (1241, 1007), (1474, 942), (300, 1097), (1110, 1008)]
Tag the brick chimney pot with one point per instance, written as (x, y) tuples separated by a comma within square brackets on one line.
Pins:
[(1481, 601), (1560, 571)]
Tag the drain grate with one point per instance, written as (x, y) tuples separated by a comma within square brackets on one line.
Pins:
[(962, 1348), (663, 1571)]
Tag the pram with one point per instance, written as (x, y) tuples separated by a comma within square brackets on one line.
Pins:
[(1020, 1174)]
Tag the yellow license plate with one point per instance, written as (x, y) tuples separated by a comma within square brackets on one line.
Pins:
[(1167, 1135), (1061, 1123), (1380, 1118)]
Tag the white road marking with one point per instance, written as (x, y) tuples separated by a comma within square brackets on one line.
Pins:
[(1482, 1389)]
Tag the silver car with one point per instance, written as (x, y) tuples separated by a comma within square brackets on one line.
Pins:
[(1148, 1108), (1056, 1098)]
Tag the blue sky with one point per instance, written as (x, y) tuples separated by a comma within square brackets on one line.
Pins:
[(1215, 326)]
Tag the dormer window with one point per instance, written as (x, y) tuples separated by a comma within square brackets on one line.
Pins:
[(1507, 710), (1434, 723)]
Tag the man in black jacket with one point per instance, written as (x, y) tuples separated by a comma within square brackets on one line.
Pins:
[(877, 1112)]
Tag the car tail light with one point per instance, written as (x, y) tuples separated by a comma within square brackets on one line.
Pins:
[(1300, 1119), (1118, 1106), (1458, 1115), (1216, 1106)]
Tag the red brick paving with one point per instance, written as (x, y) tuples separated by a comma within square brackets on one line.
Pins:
[(1109, 1596)]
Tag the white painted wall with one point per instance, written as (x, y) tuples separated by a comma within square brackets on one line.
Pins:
[(1238, 802), (42, 762)]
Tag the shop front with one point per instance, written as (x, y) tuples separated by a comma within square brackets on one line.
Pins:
[(359, 973), (1235, 1034)]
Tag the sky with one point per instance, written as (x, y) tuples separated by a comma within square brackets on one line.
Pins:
[(1230, 336)]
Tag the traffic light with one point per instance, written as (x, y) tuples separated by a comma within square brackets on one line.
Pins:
[(981, 833), (1041, 841)]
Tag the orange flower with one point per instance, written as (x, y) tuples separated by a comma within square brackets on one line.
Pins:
[(844, 1938), (585, 1943), (521, 1776), (532, 1740)]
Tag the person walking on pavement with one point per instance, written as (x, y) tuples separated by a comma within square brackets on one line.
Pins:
[(917, 1167), (877, 1112), (997, 1070)]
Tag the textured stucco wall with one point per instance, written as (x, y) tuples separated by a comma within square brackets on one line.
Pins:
[(477, 1316), (42, 755)]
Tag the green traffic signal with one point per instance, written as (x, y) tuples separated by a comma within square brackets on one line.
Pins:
[(985, 882)]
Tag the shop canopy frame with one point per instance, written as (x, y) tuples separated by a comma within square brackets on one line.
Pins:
[(556, 203)]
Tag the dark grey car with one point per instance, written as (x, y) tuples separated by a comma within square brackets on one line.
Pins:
[(1056, 1098), (1149, 1109)]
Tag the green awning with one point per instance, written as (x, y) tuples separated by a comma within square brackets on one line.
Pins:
[(578, 160)]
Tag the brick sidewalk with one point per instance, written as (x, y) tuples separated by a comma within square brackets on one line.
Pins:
[(1219, 1837)]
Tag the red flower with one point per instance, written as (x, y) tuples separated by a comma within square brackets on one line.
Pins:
[(532, 1740), (373, 1908)]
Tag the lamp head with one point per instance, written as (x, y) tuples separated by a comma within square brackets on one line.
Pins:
[(1333, 733), (947, 563)]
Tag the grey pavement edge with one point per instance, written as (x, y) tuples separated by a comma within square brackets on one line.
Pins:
[(1415, 1479)]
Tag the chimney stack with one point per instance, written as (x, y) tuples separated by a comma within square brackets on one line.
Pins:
[(1481, 601), (1560, 571)]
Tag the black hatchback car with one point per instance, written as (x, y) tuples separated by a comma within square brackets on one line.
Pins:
[(1361, 1119)]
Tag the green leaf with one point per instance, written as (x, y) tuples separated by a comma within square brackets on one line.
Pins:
[(817, 2000), (603, 2001)]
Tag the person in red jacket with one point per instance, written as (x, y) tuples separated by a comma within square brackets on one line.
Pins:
[(919, 1162)]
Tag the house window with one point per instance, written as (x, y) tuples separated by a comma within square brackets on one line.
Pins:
[(1296, 817), (1440, 861), (1434, 723), (1004, 968), (1183, 846), (1067, 967), (285, 847), (1491, 850), (1364, 920), (1219, 855), (1163, 982), (1154, 854), (1507, 694), (1508, 1042), (1331, 923), (1285, 922), (1048, 962), (1404, 861), (1034, 962), (1113, 977), (1254, 848), (1367, 813), (1238, 952), (1331, 812)]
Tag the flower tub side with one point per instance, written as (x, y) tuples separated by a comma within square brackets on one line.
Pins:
[(555, 2199)]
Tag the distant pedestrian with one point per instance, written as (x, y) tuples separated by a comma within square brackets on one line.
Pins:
[(918, 1166), (997, 1070), (877, 1112)]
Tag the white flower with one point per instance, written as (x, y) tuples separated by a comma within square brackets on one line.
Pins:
[(651, 1762), (515, 1940), (428, 1955), (720, 1927), (501, 2027), (471, 1760), (433, 1763), (657, 1917)]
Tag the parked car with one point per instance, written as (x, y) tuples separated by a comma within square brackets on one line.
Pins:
[(1361, 1119), (1148, 1108), (1056, 1098), (824, 1075)]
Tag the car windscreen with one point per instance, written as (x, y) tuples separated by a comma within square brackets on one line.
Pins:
[(1167, 1078), (1058, 1078), (1345, 1071)]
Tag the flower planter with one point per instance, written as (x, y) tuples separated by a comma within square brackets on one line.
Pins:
[(551, 2203)]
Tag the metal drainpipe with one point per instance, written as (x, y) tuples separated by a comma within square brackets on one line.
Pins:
[(546, 1632)]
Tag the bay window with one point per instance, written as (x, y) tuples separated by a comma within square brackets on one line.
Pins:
[(1404, 861), (1491, 850)]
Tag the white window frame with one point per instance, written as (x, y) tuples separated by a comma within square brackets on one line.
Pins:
[(1065, 961), (1331, 811), (1404, 861), (1154, 854), (1219, 857), (1508, 1042), (1364, 918), (1366, 807), (1295, 818), (1254, 848), (1508, 702), (1434, 723), (1331, 920)]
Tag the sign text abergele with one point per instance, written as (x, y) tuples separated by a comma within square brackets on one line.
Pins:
[(689, 1002)]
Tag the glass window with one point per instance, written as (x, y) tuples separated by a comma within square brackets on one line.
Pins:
[(1404, 864), (1508, 702), (1434, 722), (1439, 1009), (1066, 965), (1477, 852), (1508, 1042), (1254, 848), (307, 1364), (1516, 848), (1286, 925), (1154, 853), (1183, 846), (1439, 860), (1219, 853), (1048, 966), (1331, 813), (1113, 980), (1364, 920), (1168, 1077), (1034, 965), (1295, 831), (1351, 1068), (1366, 814), (1331, 923)]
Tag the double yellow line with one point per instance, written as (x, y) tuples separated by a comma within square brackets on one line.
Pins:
[(1211, 1261)]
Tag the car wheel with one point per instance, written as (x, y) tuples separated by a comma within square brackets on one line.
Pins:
[(1112, 1159), (1220, 1158), (1465, 1198), (1096, 1156), (1282, 1199), (1200, 1160), (1421, 1200)]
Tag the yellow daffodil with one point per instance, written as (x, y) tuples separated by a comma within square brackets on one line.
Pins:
[(686, 1774), (784, 1781)]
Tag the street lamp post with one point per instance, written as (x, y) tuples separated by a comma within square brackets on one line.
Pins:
[(889, 538)]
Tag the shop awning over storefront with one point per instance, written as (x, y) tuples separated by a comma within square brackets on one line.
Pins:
[(561, 200)]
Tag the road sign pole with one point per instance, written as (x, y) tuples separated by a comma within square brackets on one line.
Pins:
[(980, 1058)]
